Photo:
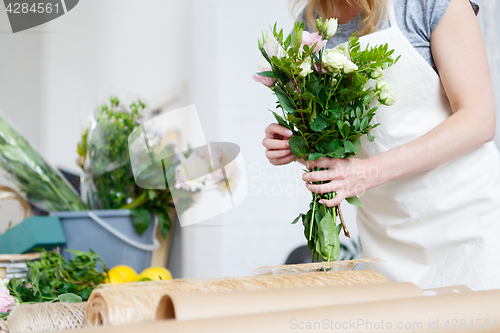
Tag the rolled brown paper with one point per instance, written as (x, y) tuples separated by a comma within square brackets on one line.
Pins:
[(467, 312), (192, 306), (138, 302)]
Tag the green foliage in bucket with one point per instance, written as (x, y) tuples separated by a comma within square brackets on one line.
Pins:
[(108, 178)]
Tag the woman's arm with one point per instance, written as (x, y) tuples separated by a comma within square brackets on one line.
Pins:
[(460, 56)]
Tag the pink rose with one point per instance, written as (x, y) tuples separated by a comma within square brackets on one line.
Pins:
[(311, 39), (316, 67), (6, 300), (267, 81)]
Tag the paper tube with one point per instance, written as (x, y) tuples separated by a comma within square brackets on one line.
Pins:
[(184, 306), (138, 302), (467, 312)]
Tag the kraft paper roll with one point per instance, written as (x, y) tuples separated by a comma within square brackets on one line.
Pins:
[(185, 306), (445, 313), (138, 302)]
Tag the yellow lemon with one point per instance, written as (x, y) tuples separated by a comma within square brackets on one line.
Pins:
[(128, 273), (114, 277), (154, 274)]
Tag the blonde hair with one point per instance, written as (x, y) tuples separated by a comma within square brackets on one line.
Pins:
[(374, 12)]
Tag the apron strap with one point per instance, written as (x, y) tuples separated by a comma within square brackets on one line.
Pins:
[(392, 15)]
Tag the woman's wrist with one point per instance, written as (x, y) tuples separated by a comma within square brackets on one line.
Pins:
[(383, 168)]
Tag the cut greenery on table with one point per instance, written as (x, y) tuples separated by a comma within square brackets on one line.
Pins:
[(108, 176), (32, 175), (53, 279), (328, 99)]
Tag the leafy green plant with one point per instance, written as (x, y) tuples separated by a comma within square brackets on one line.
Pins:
[(328, 100), (43, 186), (53, 279), (108, 176)]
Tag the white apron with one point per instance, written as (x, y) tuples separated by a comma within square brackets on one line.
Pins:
[(440, 227)]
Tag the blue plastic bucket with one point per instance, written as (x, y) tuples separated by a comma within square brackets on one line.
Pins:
[(111, 234)]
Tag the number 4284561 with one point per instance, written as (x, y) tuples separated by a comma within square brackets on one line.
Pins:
[(36, 8)]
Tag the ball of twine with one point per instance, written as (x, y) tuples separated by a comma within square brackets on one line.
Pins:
[(45, 317)]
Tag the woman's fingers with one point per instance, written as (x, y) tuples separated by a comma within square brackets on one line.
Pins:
[(324, 175), (332, 202), (282, 161), (324, 188), (276, 154), (276, 141), (278, 129), (275, 144), (326, 162)]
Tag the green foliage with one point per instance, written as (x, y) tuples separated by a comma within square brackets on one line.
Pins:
[(328, 108), (108, 176), (53, 279), (43, 185)]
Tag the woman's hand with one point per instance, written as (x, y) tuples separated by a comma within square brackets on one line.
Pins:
[(276, 142), (347, 177)]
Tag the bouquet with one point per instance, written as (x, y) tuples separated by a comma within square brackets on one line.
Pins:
[(108, 178), (328, 99), (43, 185)]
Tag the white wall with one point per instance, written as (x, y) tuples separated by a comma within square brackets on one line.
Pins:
[(19, 95), (137, 46)]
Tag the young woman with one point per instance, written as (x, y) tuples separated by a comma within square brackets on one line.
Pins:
[(431, 205)]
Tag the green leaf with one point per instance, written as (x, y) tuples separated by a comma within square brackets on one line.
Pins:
[(164, 223), (298, 146), (285, 101), (69, 298), (297, 218), (354, 201), (347, 130), (318, 124), (315, 156), (86, 293), (281, 121), (370, 137), (269, 74), (328, 238), (314, 87), (141, 219), (364, 123), (351, 148)]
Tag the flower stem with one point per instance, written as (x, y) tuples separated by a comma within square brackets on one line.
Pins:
[(346, 232), (312, 217)]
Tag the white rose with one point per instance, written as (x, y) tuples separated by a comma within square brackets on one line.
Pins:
[(331, 27), (263, 65), (272, 48), (3, 282), (335, 59), (349, 66), (377, 73), (306, 68), (385, 92)]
